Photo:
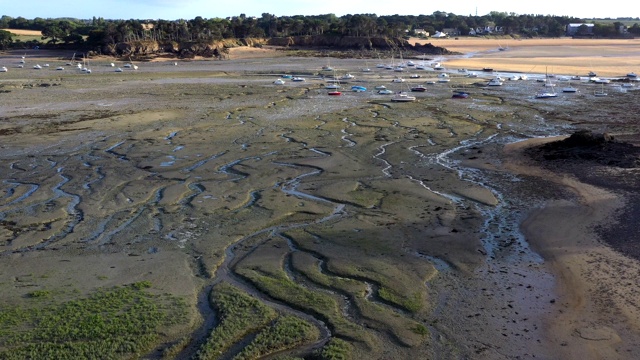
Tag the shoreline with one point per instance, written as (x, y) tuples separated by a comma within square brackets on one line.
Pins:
[(561, 231)]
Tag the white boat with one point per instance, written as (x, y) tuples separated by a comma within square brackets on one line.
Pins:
[(472, 74), (627, 85), (496, 81), (402, 97), (46, 65), (59, 68), (332, 86), (600, 92), (4, 69), (601, 81), (385, 92), (347, 76), (37, 67), (128, 65), (576, 77), (410, 63), (523, 77), (380, 87), (297, 79), (118, 70), (398, 80), (443, 78), (112, 65), (279, 82), (398, 69), (546, 94)]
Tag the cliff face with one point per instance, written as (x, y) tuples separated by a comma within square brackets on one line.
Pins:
[(355, 43), (220, 48), (340, 42)]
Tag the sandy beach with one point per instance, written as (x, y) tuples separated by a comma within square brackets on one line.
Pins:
[(370, 219)]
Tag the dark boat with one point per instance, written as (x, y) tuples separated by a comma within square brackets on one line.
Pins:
[(460, 95), (487, 69), (334, 93), (419, 88)]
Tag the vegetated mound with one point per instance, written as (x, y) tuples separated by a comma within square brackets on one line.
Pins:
[(584, 145)]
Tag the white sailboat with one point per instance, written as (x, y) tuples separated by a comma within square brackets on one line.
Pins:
[(551, 93), (600, 92)]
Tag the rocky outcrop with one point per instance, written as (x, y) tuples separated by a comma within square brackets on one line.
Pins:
[(220, 48), (587, 146), (354, 43)]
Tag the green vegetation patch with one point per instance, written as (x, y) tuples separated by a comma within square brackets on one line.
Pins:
[(336, 349), (287, 332), (116, 323), (240, 315)]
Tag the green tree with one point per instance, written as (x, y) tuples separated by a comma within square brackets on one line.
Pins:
[(6, 38)]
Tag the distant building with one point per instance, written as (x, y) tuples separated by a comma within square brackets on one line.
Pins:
[(421, 32), (487, 30), (451, 31), (574, 29)]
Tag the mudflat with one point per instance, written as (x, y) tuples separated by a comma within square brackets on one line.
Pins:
[(418, 229)]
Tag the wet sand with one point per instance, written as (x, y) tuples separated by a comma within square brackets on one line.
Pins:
[(203, 172)]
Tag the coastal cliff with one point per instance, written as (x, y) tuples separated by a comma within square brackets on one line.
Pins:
[(220, 48)]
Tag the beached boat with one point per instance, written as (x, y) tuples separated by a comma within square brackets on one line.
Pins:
[(279, 82), (547, 94), (398, 80), (592, 74), (358, 88), (402, 97), (118, 70), (385, 92), (380, 87), (414, 76), (569, 89), (37, 66), (632, 75), (496, 81), (419, 88), (600, 92), (334, 93), (298, 79), (4, 69), (347, 77), (459, 95)]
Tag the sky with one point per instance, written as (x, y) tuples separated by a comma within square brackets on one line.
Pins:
[(189, 9)]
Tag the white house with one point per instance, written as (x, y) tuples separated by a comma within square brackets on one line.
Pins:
[(572, 29)]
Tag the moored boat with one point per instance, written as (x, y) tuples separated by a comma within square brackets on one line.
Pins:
[(403, 97)]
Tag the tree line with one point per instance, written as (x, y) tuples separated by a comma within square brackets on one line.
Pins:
[(95, 33)]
